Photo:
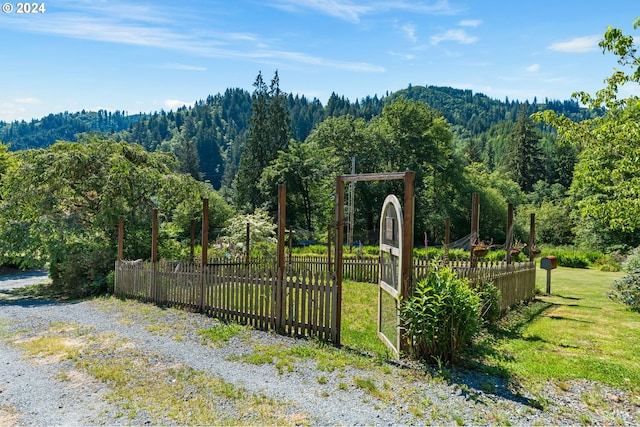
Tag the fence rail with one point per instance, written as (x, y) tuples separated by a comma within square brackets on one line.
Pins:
[(515, 281), (302, 300), (298, 304)]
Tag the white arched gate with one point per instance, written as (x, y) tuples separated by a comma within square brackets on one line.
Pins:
[(390, 281)]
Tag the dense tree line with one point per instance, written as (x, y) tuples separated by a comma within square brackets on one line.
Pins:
[(63, 127), (577, 169), (217, 126)]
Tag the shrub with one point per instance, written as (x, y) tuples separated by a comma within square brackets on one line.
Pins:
[(607, 263), (627, 290), (632, 262), (489, 302), (442, 316), (568, 257)]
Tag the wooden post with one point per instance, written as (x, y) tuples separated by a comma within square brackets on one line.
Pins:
[(509, 231), (193, 240), (339, 236), (475, 225), (407, 249), (205, 233), (407, 239), (205, 250), (280, 288), (154, 237), (154, 255), (329, 267), (120, 238), (447, 239), (290, 244), (247, 244), (532, 234)]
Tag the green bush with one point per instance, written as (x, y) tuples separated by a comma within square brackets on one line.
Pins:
[(627, 290), (632, 262), (489, 302), (568, 257), (442, 316), (607, 263)]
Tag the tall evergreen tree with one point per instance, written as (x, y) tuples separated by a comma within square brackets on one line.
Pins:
[(269, 130), (187, 154), (524, 157)]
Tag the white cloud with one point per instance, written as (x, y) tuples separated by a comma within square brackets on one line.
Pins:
[(577, 45), (410, 31), (174, 104), (28, 100), (153, 33), (353, 10), (457, 35), (406, 56), (470, 23), (533, 68), (183, 67)]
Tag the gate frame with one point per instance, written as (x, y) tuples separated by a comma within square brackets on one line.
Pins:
[(396, 253), (409, 178)]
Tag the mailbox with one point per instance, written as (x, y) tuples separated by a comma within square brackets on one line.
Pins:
[(549, 263)]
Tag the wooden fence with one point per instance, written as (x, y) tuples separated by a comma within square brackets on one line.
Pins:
[(295, 304), (516, 281), (301, 301)]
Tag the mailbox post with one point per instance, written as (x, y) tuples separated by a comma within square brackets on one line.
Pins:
[(548, 263)]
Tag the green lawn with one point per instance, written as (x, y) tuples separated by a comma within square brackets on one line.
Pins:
[(577, 332)]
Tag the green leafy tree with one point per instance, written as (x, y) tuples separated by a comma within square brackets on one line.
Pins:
[(63, 205), (308, 171), (606, 182)]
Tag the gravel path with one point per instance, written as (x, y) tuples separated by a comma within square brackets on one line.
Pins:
[(38, 390)]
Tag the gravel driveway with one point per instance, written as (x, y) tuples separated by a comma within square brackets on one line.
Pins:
[(40, 388)]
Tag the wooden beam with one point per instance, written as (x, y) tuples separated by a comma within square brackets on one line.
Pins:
[(475, 225), (339, 235), (280, 288), (407, 239), (205, 232), (532, 235), (154, 236), (509, 231), (447, 239), (205, 249), (120, 238), (387, 176)]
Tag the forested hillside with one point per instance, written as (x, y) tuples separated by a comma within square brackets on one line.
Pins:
[(64, 127), (209, 137)]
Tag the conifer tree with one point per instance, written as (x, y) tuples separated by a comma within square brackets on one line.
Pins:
[(524, 157), (269, 130)]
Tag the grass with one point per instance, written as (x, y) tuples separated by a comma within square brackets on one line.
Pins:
[(359, 318), (575, 333)]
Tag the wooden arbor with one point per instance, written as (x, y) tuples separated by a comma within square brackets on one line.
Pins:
[(407, 239)]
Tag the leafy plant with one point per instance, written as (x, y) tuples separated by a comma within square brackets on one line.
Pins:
[(442, 315), (627, 290), (489, 302), (632, 262)]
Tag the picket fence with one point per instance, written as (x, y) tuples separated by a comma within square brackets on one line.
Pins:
[(299, 301), (298, 304), (515, 281)]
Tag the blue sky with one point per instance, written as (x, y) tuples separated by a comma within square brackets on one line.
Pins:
[(144, 56)]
